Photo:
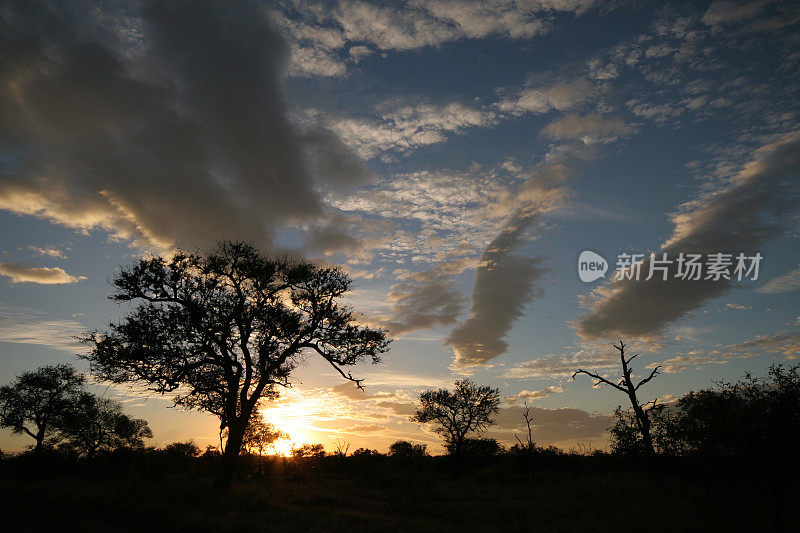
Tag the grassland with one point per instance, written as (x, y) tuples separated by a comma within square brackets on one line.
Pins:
[(567, 493)]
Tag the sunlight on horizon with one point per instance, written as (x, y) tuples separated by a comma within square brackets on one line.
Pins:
[(291, 419)]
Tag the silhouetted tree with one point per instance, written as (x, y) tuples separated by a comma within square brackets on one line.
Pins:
[(626, 385), (309, 450), (182, 449), (480, 447), (35, 401), (752, 417), (93, 424), (260, 435), (222, 329), (341, 448), (404, 448), (365, 452), (467, 408), (528, 445)]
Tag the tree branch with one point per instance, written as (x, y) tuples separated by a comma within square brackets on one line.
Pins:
[(648, 378), (600, 379)]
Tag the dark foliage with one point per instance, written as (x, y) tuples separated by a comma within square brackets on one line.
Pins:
[(222, 330), (92, 424), (468, 408), (404, 448), (309, 450), (36, 402)]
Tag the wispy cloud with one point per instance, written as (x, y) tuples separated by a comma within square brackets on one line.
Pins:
[(740, 217), (30, 327), (787, 283)]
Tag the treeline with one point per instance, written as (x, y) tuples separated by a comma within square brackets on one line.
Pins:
[(752, 417), (51, 406)]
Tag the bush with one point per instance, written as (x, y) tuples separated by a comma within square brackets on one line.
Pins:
[(309, 450), (366, 452), (182, 449), (404, 448), (480, 447)]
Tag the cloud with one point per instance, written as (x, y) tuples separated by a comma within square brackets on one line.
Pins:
[(786, 283), (738, 307), (349, 389), (30, 327), (732, 12), (551, 426), (50, 252), (536, 394), (403, 127), (40, 275), (679, 363), (167, 126), (551, 366), (399, 408), (785, 343), (742, 216), (320, 32), (589, 129), (544, 95), (427, 299), (505, 281), (363, 428)]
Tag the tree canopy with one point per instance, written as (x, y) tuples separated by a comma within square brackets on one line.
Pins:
[(468, 408), (93, 424), (35, 402), (221, 330)]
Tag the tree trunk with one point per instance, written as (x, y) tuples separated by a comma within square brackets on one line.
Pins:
[(39, 440), (230, 457), (643, 421)]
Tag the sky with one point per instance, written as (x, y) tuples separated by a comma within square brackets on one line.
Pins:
[(455, 157)]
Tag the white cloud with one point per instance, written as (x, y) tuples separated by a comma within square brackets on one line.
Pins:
[(40, 275)]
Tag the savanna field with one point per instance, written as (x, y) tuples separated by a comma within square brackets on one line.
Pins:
[(150, 491)]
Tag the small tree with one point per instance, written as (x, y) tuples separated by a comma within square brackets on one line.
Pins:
[(35, 401), (528, 445), (182, 449), (221, 330), (626, 385), (404, 448), (93, 424), (457, 413), (260, 435), (309, 450)]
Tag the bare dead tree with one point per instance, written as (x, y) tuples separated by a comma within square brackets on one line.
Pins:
[(526, 414), (341, 448), (625, 384)]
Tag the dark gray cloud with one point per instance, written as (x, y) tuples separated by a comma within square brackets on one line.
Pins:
[(159, 121), (504, 283), (427, 299), (742, 217)]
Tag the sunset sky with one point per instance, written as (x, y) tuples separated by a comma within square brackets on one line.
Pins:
[(455, 157)]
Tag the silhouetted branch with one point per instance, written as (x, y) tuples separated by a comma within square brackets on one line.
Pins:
[(600, 379), (653, 374)]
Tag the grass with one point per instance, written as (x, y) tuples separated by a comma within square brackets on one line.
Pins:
[(331, 494)]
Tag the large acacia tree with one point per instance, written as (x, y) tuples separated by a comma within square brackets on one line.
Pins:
[(222, 330)]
